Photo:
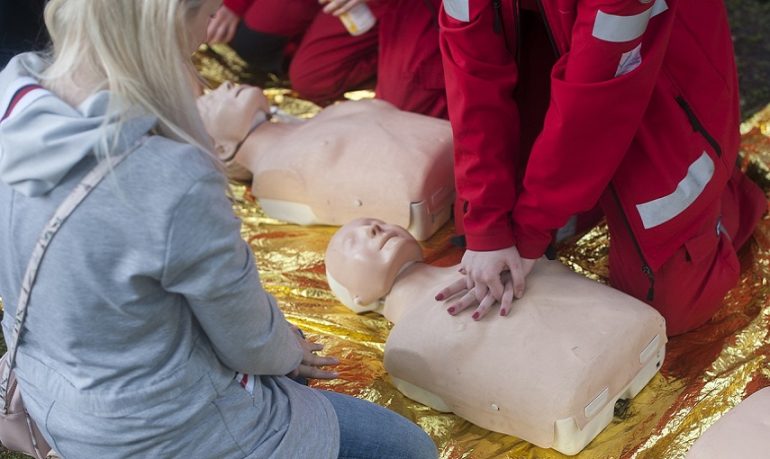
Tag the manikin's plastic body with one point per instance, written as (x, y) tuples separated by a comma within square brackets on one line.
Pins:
[(743, 432), (352, 160), (549, 373)]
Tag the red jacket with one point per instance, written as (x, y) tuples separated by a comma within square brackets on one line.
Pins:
[(643, 113), (238, 7)]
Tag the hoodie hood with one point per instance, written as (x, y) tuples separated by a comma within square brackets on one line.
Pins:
[(42, 137)]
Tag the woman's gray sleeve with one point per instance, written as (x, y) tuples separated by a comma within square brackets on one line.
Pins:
[(213, 268)]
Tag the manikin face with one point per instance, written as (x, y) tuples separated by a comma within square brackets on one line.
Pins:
[(229, 112), (365, 256)]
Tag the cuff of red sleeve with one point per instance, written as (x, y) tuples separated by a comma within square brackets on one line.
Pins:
[(238, 7), (489, 240), (531, 242)]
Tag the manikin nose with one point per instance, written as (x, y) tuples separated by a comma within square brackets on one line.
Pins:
[(375, 229)]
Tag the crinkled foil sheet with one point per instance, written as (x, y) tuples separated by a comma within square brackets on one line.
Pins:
[(706, 372)]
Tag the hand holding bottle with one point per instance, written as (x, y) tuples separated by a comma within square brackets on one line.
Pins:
[(354, 14)]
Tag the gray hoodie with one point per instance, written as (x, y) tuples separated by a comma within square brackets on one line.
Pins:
[(147, 301)]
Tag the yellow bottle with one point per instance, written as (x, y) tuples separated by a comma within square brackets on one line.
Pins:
[(359, 19)]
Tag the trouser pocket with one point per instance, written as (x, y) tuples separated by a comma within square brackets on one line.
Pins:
[(691, 286)]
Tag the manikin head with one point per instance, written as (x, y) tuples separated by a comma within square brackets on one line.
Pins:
[(363, 259), (229, 114)]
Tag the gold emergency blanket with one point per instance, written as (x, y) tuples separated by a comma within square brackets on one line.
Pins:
[(706, 372)]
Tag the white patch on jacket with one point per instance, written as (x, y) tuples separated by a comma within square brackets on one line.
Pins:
[(629, 61), (458, 9), (620, 29)]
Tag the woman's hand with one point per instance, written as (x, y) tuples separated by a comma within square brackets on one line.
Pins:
[(339, 7), (494, 277), (484, 269), (222, 26), (311, 363)]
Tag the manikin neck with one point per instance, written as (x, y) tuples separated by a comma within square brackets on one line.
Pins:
[(415, 285), (263, 140), (260, 119)]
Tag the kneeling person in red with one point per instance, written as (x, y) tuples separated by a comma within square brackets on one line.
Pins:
[(633, 104)]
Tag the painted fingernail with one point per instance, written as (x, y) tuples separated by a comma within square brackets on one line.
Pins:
[(439, 297), (503, 312), (476, 316), (451, 310)]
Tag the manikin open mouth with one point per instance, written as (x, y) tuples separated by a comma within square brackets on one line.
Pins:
[(391, 235), (386, 237)]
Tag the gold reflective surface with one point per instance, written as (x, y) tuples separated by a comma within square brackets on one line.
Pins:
[(706, 372)]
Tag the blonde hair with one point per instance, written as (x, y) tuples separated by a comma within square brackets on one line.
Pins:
[(136, 49)]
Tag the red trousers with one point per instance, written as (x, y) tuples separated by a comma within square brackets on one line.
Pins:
[(328, 60), (690, 287), (401, 51), (410, 74)]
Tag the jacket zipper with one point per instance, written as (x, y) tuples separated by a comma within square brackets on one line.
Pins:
[(496, 8), (646, 270), (517, 24), (548, 28), (697, 126)]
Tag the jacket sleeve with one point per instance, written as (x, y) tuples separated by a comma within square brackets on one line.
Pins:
[(211, 266), (238, 7), (481, 75), (600, 90)]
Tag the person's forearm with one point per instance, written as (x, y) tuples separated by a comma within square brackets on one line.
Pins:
[(481, 76)]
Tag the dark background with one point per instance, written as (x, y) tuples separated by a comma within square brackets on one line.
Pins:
[(21, 29), (750, 21)]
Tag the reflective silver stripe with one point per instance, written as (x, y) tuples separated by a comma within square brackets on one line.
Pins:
[(659, 7), (663, 209), (458, 9), (619, 29)]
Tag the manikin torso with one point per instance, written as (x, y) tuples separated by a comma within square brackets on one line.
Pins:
[(353, 159), (549, 373), (742, 432)]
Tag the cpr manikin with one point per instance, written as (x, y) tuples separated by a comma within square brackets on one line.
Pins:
[(549, 373), (742, 432), (353, 159)]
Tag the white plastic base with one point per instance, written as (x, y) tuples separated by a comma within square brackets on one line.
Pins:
[(421, 395), (422, 224), (568, 438), (288, 211)]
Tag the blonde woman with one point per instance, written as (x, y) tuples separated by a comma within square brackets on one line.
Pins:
[(148, 303)]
